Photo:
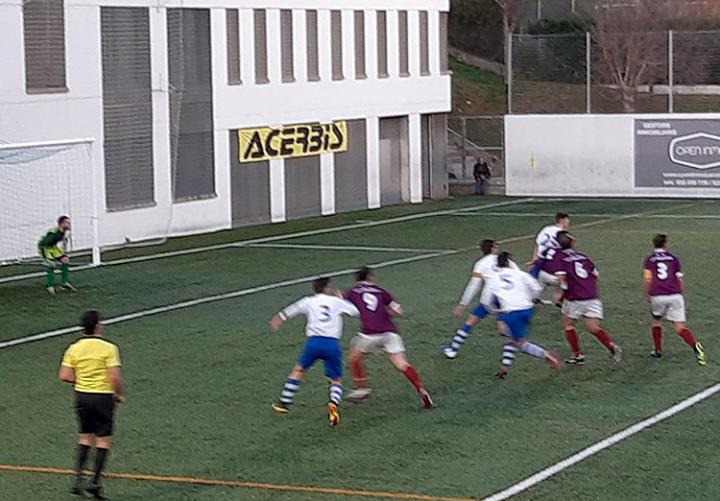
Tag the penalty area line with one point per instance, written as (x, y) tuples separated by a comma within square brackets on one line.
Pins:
[(566, 463), (208, 482), (274, 238), (219, 297)]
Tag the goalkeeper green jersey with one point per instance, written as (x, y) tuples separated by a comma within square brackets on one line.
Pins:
[(52, 238)]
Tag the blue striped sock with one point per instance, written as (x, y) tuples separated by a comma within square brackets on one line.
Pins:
[(289, 390), (336, 393), (460, 337), (509, 353)]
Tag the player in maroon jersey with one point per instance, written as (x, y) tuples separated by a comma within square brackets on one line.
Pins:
[(378, 333), (578, 277), (663, 281)]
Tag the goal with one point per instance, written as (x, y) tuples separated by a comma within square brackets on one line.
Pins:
[(39, 182)]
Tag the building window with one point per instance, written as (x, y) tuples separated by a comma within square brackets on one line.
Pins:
[(44, 27), (444, 62), (424, 44), (286, 39), (233, 46), (382, 53), (337, 44), (192, 147), (127, 107), (313, 66), (403, 43), (261, 57), (360, 71)]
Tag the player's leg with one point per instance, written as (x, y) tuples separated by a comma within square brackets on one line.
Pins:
[(65, 273), (87, 426), (461, 335), (517, 327), (332, 356), (292, 383), (676, 314), (50, 265), (682, 330), (395, 349), (571, 335), (657, 337), (595, 328), (103, 443)]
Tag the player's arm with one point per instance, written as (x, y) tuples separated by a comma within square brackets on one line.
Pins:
[(562, 283), (295, 309), (67, 367), (396, 309), (471, 290), (115, 375), (533, 285), (647, 281), (67, 374), (349, 308)]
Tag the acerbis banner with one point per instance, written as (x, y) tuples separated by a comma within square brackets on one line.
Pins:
[(677, 153), (290, 141)]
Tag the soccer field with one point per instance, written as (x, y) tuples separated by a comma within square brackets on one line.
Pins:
[(202, 367)]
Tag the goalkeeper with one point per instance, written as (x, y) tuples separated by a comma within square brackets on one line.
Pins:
[(53, 256)]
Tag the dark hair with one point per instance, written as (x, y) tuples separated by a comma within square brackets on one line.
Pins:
[(90, 321), (504, 260), (560, 216), (363, 274), (660, 241), (321, 284), (62, 219), (564, 239), (487, 246)]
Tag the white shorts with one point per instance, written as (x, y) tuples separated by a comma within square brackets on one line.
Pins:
[(671, 307), (588, 308), (388, 342)]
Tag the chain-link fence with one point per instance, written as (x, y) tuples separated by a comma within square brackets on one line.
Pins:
[(623, 72), (474, 139)]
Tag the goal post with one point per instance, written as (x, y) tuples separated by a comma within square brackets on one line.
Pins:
[(41, 181)]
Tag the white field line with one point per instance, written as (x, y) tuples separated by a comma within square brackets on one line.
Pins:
[(537, 214), (346, 248), (276, 285), (274, 238), (217, 297), (601, 445)]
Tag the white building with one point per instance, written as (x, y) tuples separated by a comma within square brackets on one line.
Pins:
[(165, 86)]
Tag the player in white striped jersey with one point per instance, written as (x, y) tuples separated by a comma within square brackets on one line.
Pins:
[(324, 329), (484, 269), (515, 292), (546, 246)]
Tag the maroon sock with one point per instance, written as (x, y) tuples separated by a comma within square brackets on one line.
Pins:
[(688, 337), (574, 341), (359, 374), (414, 377), (657, 337), (604, 338)]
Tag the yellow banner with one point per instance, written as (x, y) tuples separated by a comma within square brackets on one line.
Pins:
[(292, 141)]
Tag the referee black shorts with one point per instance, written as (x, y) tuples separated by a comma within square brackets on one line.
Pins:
[(95, 413)]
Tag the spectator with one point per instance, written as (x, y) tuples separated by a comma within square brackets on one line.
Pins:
[(482, 175)]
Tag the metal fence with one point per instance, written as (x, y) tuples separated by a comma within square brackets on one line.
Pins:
[(572, 73), (471, 139)]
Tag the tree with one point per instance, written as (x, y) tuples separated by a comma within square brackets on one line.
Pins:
[(511, 11), (632, 39)]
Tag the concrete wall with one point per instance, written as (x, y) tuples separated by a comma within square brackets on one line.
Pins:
[(592, 155)]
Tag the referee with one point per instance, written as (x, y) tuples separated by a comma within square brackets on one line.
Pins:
[(92, 364)]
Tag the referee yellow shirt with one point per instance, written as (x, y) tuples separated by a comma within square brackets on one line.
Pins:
[(91, 357)]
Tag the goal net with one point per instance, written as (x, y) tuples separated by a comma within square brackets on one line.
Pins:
[(40, 182)]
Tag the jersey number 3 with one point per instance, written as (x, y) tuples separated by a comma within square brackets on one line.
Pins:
[(324, 313), (662, 271)]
